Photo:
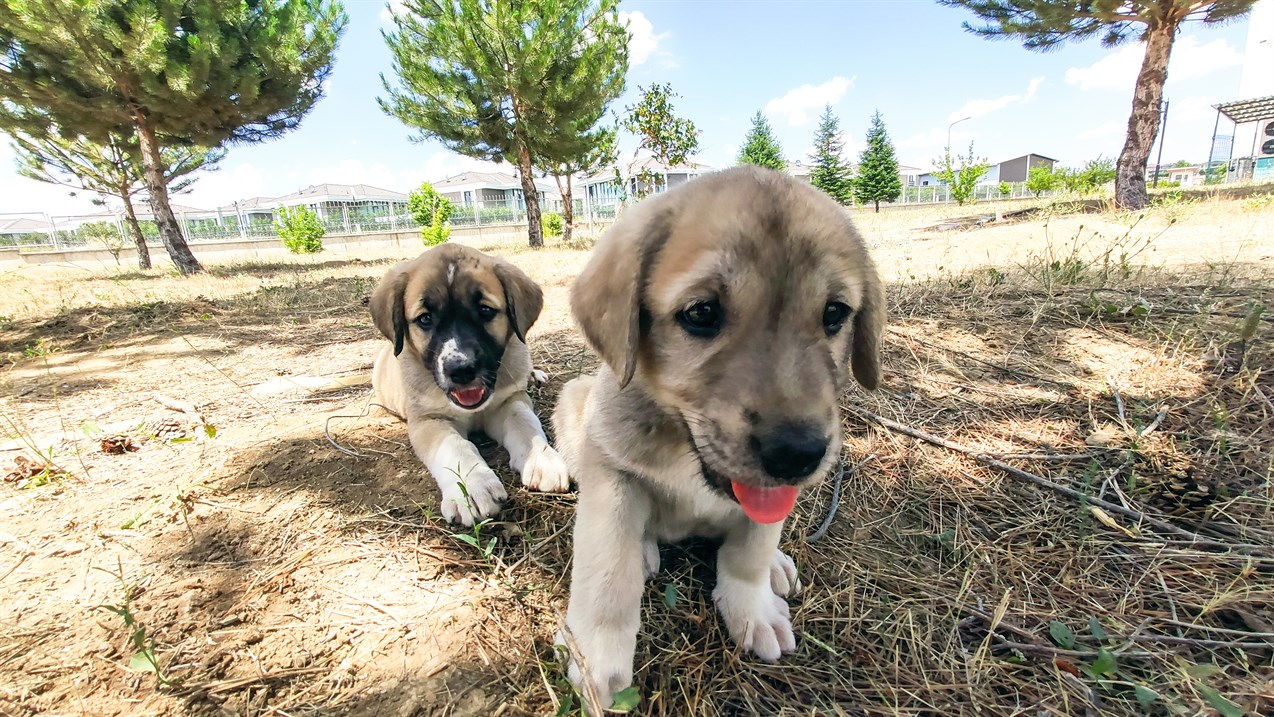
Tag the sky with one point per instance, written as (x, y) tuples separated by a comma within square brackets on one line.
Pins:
[(909, 59)]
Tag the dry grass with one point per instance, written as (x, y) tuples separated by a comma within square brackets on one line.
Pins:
[(278, 576)]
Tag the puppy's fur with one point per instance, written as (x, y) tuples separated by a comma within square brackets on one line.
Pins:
[(458, 362), (677, 417)]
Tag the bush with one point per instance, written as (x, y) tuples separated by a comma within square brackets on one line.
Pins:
[(1005, 189), (300, 230), (431, 211), (552, 224), (1040, 180)]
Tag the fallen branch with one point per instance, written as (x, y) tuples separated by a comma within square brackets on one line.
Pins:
[(983, 458)]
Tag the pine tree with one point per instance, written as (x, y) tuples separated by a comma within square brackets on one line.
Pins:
[(1044, 24), (112, 169), (878, 179), (519, 82), (170, 72), (830, 171), (761, 147)]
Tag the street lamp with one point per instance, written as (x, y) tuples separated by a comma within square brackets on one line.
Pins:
[(953, 124)]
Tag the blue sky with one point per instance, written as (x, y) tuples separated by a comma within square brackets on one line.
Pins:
[(908, 58)]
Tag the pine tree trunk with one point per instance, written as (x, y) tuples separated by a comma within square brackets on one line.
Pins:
[(153, 172), (535, 231), (568, 210), (878, 206), (1143, 125), (135, 227)]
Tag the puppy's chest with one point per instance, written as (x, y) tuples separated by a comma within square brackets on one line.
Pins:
[(686, 507)]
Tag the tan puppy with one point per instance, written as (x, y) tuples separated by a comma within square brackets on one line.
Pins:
[(458, 363), (729, 313)]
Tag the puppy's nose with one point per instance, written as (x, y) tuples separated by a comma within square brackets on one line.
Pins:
[(460, 370), (791, 451)]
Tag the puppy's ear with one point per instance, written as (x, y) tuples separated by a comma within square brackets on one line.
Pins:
[(523, 298), (606, 298), (869, 324), (386, 306)]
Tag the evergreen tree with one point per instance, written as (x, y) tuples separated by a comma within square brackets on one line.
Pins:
[(661, 135), (171, 72), (112, 169), (878, 179), (830, 171), (503, 80), (1044, 24), (761, 147)]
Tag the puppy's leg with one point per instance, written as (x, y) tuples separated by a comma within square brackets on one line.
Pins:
[(604, 612), (471, 491), (757, 618), (515, 426)]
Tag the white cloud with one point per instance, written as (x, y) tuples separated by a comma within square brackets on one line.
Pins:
[(226, 185), (29, 198), (1191, 59), (644, 43), (1105, 130), (982, 107), (799, 104)]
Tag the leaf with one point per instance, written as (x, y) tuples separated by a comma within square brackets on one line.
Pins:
[(1203, 671), (1145, 696), (1061, 634), (670, 596), (89, 429), (1105, 664), (1096, 629), (181, 439), (209, 430), (626, 700), (1220, 703), (466, 538), (142, 661)]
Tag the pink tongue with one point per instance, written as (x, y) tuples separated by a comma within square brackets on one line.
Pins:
[(765, 505), (469, 396)]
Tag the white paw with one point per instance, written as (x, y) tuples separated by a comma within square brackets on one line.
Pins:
[(756, 618), (609, 670), (545, 470), (649, 558), (783, 579), (484, 492), (538, 377)]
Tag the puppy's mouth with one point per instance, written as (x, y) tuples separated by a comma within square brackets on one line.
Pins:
[(761, 504), (470, 396)]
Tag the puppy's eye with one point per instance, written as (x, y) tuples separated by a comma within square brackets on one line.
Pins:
[(425, 321), (702, 318), (834, 316), (486, 313)]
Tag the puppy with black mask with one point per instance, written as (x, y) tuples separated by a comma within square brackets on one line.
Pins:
[(458, 362)]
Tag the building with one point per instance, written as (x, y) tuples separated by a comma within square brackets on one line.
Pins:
[(1252, 153), (602, 191), (1184, 176), (1258, 53), (799, 171), (23, 230), (913, 176), (495, 192), (356, 206), (1019, 168)]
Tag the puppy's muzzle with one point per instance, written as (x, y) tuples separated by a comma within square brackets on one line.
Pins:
[(791, 451)]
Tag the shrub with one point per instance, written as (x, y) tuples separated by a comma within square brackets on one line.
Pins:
[(552, 223), (300, 230), (1040, 180), (1005, 189), (431, 211)]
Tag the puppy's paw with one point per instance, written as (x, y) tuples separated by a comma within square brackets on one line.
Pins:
[(538, 377), (757, 619), (484, 492), (545, 470), (649, 558), (783, 579), (606, 674)]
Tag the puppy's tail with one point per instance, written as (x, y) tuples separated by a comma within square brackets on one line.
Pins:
[(569, 421)]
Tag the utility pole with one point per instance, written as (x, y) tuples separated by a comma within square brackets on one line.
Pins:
[(1163, 130)]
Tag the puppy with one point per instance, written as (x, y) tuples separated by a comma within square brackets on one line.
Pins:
[(458, 362), (728, 313)]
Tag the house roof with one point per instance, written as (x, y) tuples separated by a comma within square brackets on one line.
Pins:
[(341, 192), (908, 169), (653, 165), (22, 225), (492, 180), (1028, 154), (1252, 110), (143, 209), (249, 204)]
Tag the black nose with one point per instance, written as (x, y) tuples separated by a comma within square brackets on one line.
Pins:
[(791, 451), (460, 370)]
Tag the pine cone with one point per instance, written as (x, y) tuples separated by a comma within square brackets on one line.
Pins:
[(166, 429), (117, 444)]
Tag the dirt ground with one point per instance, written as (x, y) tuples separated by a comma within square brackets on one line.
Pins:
[(231, 560)]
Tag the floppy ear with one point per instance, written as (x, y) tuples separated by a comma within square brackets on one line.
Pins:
[(606, 298), (386, 306), (523, 298), (869, 324)]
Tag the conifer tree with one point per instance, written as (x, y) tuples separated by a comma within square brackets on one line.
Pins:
[(761, 147), (877, 179), (508, 81), (830, 172), (189, 73)]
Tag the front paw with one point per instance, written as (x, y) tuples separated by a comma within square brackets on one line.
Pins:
[(478, 498), (756, 618), (607, 673), (783, 579), (545, 470)]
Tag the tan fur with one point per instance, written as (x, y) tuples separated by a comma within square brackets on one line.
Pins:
[(774, 251), (437, 428)]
